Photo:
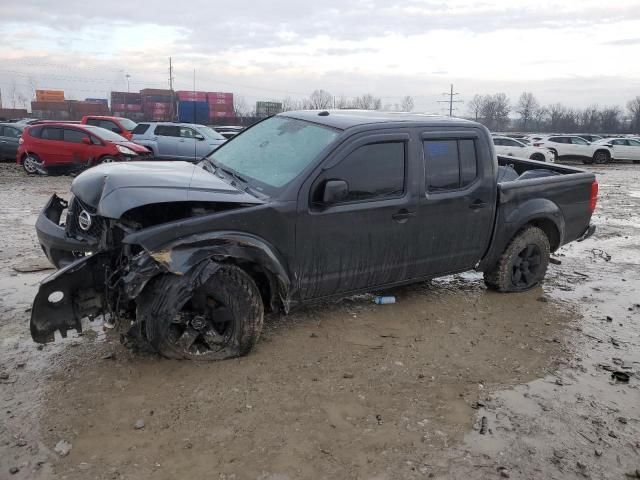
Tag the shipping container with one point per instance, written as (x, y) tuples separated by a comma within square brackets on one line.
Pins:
[(155, 91), (49, 95), (51, 114), (51, 106), (213, 96), (97, 100), (124, 107), (126, 98), (191, 96), (13, 113), (157, 99), (193, 112)]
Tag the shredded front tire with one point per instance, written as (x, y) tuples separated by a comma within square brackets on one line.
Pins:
[(202, 316)]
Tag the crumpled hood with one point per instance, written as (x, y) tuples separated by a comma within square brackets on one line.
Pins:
[(113, 189)]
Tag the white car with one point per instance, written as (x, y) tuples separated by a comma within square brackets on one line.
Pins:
[(515, 148), (575, 147), (622, 148)]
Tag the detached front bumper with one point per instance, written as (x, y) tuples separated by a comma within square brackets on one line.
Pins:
[(68, 296), (59, 248)]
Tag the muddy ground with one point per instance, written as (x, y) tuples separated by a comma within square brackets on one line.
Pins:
[(345, 389)]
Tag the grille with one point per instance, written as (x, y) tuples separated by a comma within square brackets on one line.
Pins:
[(73, 229)]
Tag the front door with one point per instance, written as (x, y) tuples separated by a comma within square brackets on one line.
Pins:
[(186, 146), (9, 141), (167, 138), (457, 203), (79, 151), (364, 239)]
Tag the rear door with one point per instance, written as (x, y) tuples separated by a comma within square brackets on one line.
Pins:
[(10, 138), (457, 201), (634, 150), (79, 151), (166, 138), (365, 239)]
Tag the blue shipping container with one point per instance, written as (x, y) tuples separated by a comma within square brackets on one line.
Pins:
[(193, 112)]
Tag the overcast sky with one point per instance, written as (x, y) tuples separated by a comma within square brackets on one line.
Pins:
[(577, 52)]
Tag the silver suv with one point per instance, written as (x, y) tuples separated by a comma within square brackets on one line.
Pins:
[(177, 141)]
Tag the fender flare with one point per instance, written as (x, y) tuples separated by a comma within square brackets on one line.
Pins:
[(539, 212), (181, 255)]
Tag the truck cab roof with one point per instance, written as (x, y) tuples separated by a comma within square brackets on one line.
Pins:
[(344, 119)]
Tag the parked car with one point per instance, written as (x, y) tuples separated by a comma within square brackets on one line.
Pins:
[(589, 137), (60, 145), (120, 125), (515, 148), (177, 141), (572, 146), (301, 206), (622, 148), (228, 131), (9, 137)]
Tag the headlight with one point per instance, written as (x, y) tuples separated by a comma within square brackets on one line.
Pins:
[(126, 151)]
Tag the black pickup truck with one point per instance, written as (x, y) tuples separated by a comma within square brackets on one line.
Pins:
[(301, 206)]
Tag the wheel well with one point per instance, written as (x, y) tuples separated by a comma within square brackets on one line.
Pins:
[(550, 230), (602, 150)]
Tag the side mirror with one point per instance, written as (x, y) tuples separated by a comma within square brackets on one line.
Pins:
[(198, 137), (86, 141), (334, 191)]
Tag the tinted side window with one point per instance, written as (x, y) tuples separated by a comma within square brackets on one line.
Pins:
[(372, 171), (74, 136), (109, 125), (35, 132), (618, 142), (498, 141), (141, 128), (578, 141), (450, 164), (11, 132), (167, 131), (187, 132), (443, 169), (93, 121), (468, 162), (51, 133)]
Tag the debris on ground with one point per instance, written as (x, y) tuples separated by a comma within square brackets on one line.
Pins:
[(139, 424), (483, 425), (63, 448)]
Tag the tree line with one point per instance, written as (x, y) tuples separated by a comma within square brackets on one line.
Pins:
[(494, 111)]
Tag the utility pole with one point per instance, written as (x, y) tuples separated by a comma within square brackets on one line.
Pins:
[(451, 100), (126, 103), (173, 100)]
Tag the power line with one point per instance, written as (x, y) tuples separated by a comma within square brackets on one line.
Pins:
[(451, 100)]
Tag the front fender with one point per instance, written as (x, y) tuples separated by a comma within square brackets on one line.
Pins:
[(180, 255)]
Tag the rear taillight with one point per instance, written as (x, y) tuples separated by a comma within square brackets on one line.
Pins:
[(594, 196), (20, 141)]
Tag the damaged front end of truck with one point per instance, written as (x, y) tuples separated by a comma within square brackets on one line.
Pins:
[(109, 247)]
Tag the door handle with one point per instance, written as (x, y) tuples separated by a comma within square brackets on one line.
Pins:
[(3, 141), (401, 216), (478, 204)]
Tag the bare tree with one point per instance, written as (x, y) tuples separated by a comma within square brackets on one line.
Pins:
[(319, 100), (611, 119), (494, 111), (342, 103), (527, 105), (289, 104), (590, 121), (240, 107), (634, 109), (539, 117), (475, 106), (407, 104), (367, 102), (556, 112)]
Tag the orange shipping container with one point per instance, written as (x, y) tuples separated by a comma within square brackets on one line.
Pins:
[(50, 95)]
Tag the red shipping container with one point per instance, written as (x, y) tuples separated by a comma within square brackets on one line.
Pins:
[(187, 96), (155, 91), (118, 107), (132, 107), (212, 97)]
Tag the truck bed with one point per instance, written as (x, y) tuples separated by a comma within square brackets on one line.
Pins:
[(559, 200)]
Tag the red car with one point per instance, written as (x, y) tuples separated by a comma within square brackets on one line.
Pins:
[(120, 125), (64, 145)]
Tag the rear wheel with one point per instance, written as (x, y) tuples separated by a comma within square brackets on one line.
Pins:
[(523, 264), (217, 319), (538, 157), (601, 157)]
